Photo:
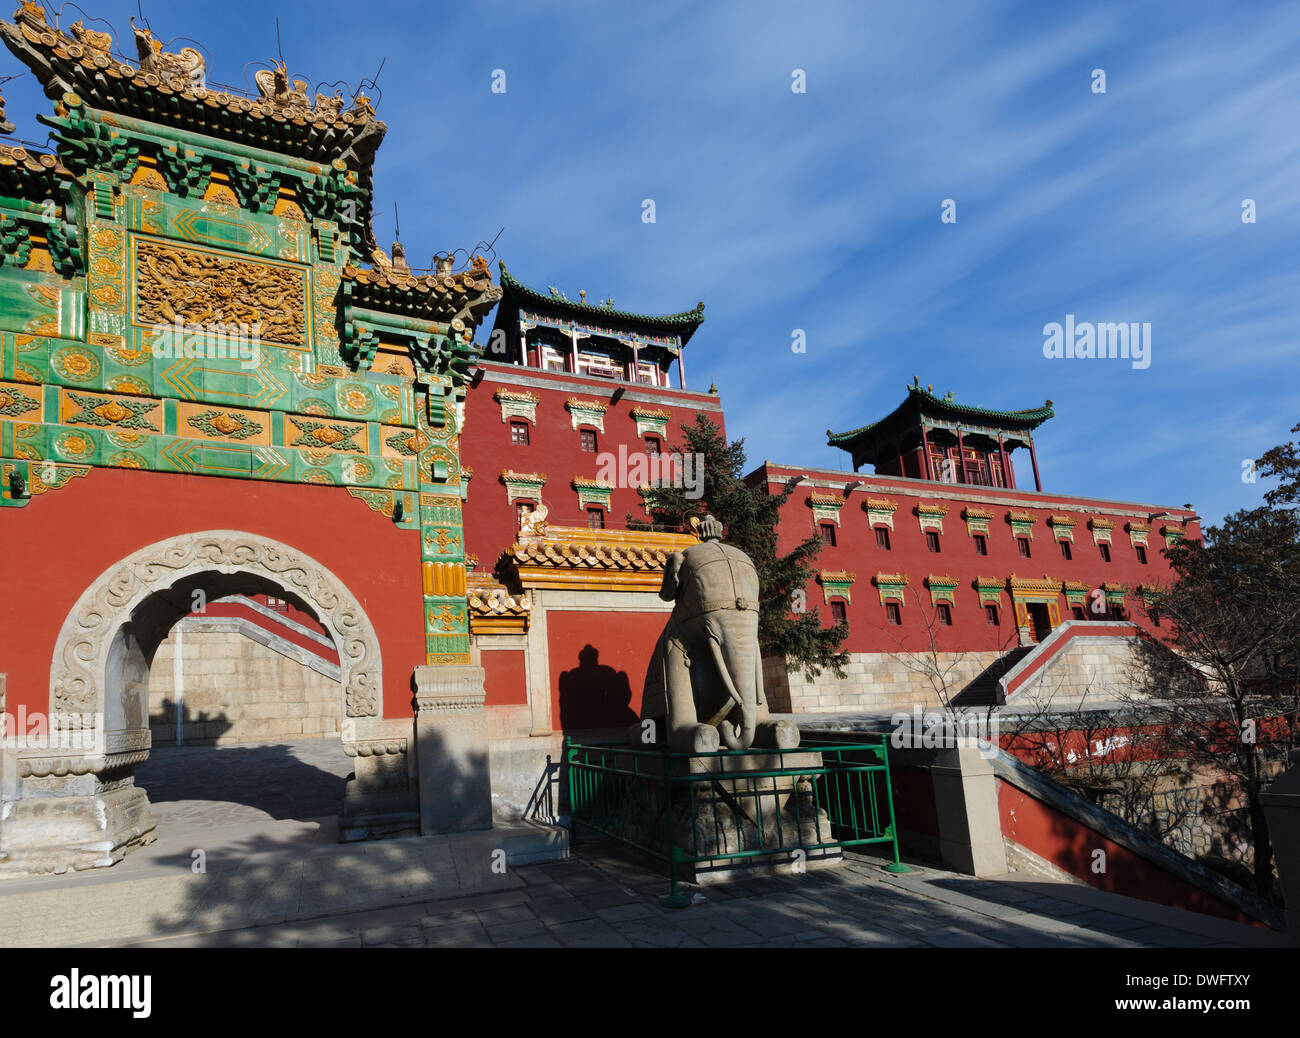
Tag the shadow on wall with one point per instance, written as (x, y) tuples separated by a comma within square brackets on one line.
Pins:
[(593, 695)]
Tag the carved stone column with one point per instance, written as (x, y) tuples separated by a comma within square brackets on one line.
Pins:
[(451, 738)]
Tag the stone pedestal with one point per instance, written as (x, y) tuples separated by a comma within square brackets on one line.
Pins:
[(1282, 807), (965, 799), (451, 736), (732, 812)]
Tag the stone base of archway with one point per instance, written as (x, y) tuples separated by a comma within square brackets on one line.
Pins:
[(73, 822), (382, 796)]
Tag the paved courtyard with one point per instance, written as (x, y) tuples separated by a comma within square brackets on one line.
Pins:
[(273, 874), (600, 899)]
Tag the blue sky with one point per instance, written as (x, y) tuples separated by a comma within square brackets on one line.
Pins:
[(821, 211)]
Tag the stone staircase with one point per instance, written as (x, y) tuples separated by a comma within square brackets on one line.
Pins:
[(983, 691)]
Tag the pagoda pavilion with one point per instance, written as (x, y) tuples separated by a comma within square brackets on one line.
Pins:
[(936, 438), (547, 330)]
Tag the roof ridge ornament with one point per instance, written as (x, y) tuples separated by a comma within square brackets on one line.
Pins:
[(188, 64)]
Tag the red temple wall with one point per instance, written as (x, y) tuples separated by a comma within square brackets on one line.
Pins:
[(856, 551), (603, 691), (70, 537), (555, 448), (505, 677)]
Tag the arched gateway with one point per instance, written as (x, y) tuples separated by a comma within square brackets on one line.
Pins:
[(73, 802)]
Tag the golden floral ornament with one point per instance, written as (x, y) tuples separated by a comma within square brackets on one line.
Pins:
[(131, 357), (75, 364), (123, 438), (126, 460), (317, 407), (74, 445), (355, 400), (355, 470), (128, 384)]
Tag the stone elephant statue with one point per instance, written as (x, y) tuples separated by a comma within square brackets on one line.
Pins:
[(704, 685)]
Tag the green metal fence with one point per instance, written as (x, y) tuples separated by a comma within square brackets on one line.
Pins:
[(734, 806)]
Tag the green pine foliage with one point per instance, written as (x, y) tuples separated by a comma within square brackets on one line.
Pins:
[(750, 515)]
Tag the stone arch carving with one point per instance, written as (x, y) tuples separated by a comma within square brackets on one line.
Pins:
[(90, 633)]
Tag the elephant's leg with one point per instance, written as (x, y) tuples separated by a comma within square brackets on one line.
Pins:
[(685, 733), (779, 735)]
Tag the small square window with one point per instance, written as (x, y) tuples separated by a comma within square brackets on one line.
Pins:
[(1079, 614), (882, 538), (1141, 554), (991, 615), (651, 446), (1065, 550), (981, 544), (596, 518), (1105, 551), (519, 433), (944, 611), (894, 614), (839, 614), (828, 534), (932, 540), (588, 440), (1023, 544)]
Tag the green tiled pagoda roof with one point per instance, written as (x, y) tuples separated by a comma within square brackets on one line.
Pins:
[(683, 324), (922, 402)]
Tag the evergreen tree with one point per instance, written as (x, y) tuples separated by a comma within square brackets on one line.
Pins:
[(786, 625)]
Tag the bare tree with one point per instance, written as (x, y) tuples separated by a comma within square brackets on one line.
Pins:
[(1225, 700)]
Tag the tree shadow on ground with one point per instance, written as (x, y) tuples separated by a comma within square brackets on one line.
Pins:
[(300, 780)]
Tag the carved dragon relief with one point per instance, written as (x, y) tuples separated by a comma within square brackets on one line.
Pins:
[(80, 665), (208, 289)]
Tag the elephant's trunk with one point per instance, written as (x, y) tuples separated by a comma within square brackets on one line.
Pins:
[(735, 737)]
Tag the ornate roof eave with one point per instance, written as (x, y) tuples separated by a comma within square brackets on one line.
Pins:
[(63, 65), (683, 324), (467, 296), (18, 161), (921, 403), (576, 558)]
